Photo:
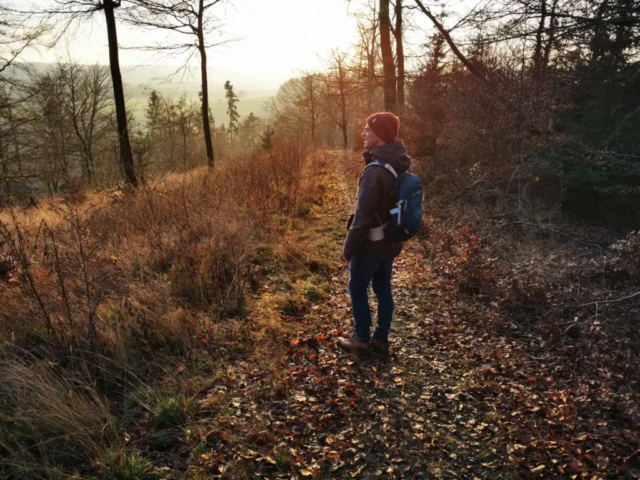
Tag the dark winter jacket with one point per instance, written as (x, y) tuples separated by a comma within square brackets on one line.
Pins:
[(375, 196)]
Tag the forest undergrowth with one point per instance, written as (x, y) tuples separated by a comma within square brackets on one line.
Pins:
[(203, 365)]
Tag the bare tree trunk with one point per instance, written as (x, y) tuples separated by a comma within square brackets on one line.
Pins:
[(599, 32), (87, 156), (205, 87), (537, 59), (16, 149), (63, 152), (184, 146), (5, 173), (126, 156), (551, 36), (313, 124), (371, 58), (344, 124), (400, 52), (312, 100), (387, 57)]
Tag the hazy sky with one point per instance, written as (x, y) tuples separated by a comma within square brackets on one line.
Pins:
[(274, 39)]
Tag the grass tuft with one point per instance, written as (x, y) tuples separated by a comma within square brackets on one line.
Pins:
[(49, 420), (284, 461), (174, 411), (126, 464)]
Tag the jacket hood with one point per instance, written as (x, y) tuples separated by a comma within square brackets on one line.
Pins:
[(395, 154)]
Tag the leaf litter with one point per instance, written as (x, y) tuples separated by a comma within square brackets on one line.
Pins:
[(456, 399)]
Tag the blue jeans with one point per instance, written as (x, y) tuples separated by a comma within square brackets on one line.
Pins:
[(372, 268)]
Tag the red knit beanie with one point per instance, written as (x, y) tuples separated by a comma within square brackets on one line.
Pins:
[(385, 125)]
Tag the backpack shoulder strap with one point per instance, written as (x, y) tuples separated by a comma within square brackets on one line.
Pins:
[(385, 165)]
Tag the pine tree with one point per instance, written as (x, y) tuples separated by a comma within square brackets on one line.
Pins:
[(267, 138), (249, 130), (153, 111), (232, 110), (222, 131)]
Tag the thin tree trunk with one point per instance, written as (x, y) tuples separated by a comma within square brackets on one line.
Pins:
[(400, 52), (537, 59), (5, 173), (387, 57), (372, 59), (87, 156), (205, 88), (126, 156), (343, 106), (551, 36), (184, 146), (88, 162), (16, 149), (312, 99), (599, 32), (63, 153), (537, 63)]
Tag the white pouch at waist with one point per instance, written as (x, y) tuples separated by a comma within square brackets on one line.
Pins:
[(377, 234)]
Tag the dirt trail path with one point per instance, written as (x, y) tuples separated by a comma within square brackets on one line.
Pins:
[(400, 417), (454, 400)]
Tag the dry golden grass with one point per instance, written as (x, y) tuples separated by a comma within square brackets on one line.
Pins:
[(82, 270), (122, 290), (49, 421)]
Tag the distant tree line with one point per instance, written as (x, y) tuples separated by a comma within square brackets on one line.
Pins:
[(328, 107), (59, 127), (24, 26), (72, 124), (523, 96)]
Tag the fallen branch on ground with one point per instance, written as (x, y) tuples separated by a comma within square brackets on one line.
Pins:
[(607, 302), (564, 234)]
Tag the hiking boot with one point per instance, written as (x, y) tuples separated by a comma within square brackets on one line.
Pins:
[(379, 347), (353, 345)]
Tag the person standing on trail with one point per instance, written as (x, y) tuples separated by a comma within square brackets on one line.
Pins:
[(370, 252)]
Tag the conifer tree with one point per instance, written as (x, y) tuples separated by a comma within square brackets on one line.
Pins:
[(153, 111), (267, 138), (232, 110), (249, 130), (193, 19)]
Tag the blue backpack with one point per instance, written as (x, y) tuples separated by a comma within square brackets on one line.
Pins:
[(406, 216)]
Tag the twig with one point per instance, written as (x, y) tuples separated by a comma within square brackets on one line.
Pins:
[(607, 302), (91, 317), (61, 283), (559, 232), (577, 324)]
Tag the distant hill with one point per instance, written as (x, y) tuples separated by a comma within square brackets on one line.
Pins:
[(218, 108), (172, 82)]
